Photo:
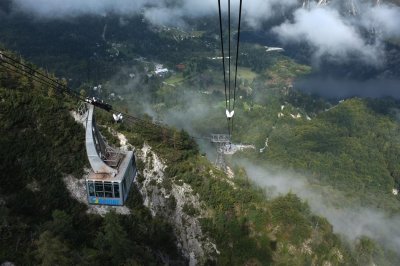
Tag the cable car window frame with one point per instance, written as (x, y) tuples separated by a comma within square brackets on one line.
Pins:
[(91, 188), (99, 188), (116, 190), (108, 189)]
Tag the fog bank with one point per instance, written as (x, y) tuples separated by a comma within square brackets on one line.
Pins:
[(351, 222)]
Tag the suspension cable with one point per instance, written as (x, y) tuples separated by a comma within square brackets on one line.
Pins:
[(237, 54), (229, 102), (31, 75), (21, 69), (223, 59), (229, 49), (23, 72), (237, 59), (49, 79), (53, 83), (222, 49)]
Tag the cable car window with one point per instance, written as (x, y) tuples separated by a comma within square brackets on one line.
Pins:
[(116, 190), (99, 189), (91, 188), (108, 190)]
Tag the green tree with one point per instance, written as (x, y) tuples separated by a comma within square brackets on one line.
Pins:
[(113, 240), (365, 249), (61, 224), (52, 251)]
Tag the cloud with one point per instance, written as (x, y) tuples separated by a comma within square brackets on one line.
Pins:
[(334, 34), (383, 18), (352, 222), (157, 11), (256, 12), (164, 16), (72, 8), (329, 34)]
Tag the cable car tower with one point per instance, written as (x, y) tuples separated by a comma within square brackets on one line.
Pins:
[(113, 170), (222, 142)]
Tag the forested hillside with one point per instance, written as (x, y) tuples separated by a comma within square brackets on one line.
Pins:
[(42, 224), (352, 146)]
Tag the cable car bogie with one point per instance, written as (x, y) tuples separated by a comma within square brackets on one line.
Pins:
[(99, 103)]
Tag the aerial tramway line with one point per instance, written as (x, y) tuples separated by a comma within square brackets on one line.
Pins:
[(113, 171), (230, 93), (223, 141), (22, 69)]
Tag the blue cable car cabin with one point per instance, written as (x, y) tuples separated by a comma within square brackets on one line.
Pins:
[(112, 172), (106, 189)]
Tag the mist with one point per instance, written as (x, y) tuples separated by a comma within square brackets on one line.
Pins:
[(185, 107), (351, 222)]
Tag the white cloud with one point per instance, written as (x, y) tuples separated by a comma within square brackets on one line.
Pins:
[(384, 18), (256, 12), (330, 34)]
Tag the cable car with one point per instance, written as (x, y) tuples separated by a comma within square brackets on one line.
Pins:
[(113, 171), (103, 189)]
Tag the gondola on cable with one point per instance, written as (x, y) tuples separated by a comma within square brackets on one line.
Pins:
[(113, 170)]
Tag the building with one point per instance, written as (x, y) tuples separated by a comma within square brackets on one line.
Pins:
[(180, 67), (162, 72)]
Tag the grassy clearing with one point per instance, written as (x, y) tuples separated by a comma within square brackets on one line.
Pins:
[(247, 74), (175, 79), (284, 71)]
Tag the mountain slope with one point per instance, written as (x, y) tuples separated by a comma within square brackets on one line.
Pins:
[(40, 223)]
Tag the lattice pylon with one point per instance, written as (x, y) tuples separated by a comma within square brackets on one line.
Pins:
[(220, 161)]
